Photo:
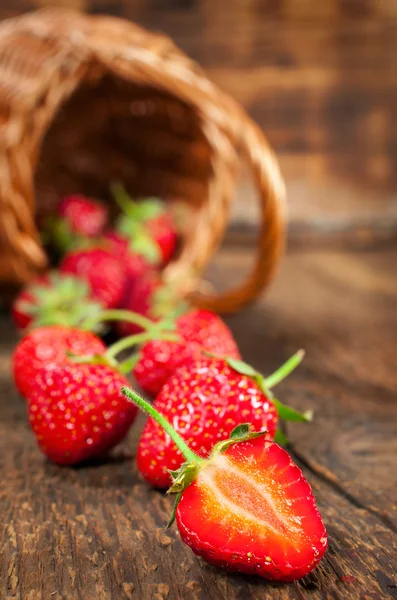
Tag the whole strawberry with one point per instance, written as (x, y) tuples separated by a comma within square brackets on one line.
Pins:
[(103, 272), (199, 330), (84, 216), (135, 265), (46, 347), (205, 401), (78, 218), (54, 298), (77, 412), (247, 507)]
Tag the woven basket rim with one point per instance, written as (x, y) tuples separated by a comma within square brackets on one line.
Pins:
[(82, 42)]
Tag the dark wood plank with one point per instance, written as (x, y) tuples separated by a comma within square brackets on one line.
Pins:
[(97, 532)]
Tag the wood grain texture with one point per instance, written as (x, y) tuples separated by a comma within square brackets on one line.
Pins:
[(319, 77), (97, 532)]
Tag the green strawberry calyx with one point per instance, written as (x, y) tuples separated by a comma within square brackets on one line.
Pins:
[(241, 433), (140, 210), (189, 470), (61, 300)]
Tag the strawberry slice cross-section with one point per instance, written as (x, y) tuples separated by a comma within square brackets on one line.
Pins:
[(256, 513)]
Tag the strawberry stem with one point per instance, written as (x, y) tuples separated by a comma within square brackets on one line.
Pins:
[(152, 412), (140, 338), (121, 197), (119, 314), (127, 365), (285, 369)]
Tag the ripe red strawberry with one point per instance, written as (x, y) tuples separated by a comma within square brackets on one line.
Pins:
[(54, 298), (205, 401), (78, 218), (136, 265), (198, 330), (139, 298), (77, 412), (247, 507), (104, 273), (46, 347), (83, 215)]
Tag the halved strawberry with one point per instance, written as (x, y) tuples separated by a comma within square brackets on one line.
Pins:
[(251, 510), (247, 507)]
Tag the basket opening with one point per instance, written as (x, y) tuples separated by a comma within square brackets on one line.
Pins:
[(111, 129)]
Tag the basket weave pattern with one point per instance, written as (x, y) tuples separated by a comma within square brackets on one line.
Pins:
[(84, 100)]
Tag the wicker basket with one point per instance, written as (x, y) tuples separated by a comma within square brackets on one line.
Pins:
[(86, 100)]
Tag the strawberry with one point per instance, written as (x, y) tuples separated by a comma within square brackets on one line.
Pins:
[(84, 216), (198, 330), (78, 218), (247, 507), (54, 298), (251, 510), (139, 298), (136, 265), (205, 401), (103, 272), (46, 347), (147, 224), (77, 412)]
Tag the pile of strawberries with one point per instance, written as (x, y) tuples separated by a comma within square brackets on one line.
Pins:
[(212, 436), (100, 266)]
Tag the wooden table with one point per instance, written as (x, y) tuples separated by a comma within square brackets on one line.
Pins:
[(96, 533)]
